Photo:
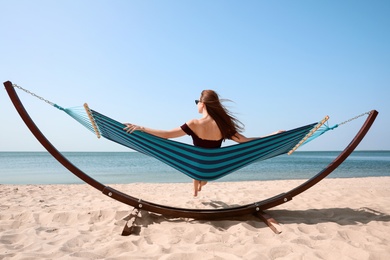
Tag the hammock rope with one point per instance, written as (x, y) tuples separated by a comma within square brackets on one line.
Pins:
[(196, 162)]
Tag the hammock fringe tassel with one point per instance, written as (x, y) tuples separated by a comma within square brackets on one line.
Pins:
[(309, 134), (95, 128)]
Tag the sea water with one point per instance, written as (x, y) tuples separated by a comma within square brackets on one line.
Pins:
[(132, 167)]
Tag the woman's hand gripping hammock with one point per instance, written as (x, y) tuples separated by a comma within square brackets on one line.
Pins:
[(131, 128)]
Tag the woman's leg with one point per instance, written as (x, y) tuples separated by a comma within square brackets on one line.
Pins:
[(196, 187), (201, 184)]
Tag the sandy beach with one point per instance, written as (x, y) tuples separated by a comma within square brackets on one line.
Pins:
[(335, 219)]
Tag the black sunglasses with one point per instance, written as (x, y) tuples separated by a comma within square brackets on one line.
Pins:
[(197, 101)]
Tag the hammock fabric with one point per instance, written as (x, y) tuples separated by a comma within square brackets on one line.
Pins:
[(196, 162)]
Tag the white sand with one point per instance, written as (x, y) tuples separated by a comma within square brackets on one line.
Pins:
[(335, 219)]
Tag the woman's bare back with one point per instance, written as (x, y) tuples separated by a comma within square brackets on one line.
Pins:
[(205, 128)]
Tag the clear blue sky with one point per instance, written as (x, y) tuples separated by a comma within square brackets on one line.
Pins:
[(283, 63)]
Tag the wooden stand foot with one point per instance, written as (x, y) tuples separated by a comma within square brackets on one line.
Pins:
[(269, 221), (131, 229)]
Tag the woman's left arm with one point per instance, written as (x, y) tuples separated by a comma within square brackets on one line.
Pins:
[(174, 133)]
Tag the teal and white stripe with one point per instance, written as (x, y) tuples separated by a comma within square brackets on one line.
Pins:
[(197, 162)]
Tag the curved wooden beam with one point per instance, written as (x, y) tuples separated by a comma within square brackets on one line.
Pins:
[(252, 208)]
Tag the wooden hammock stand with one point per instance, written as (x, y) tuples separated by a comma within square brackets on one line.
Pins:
[(256, 208)]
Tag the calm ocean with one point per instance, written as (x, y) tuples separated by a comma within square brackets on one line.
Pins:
[(130, 167)]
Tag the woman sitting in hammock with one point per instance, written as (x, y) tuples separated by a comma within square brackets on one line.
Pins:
[(216, 125)]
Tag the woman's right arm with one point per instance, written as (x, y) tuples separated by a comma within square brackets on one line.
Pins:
[(239, 138)]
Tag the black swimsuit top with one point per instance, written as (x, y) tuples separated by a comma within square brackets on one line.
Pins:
[(199, 141)]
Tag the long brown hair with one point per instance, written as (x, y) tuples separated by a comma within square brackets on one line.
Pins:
[(227, 123)]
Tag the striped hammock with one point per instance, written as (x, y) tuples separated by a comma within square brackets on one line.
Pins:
[(198, 163)]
